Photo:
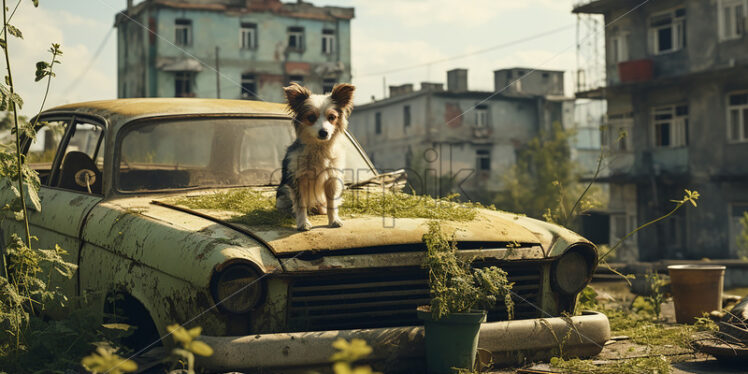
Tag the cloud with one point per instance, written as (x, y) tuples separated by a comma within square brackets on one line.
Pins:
[(41, 28)]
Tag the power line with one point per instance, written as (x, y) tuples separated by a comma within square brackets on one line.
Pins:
[(480, 51)]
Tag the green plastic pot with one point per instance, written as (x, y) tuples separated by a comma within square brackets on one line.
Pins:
[(451, 342)]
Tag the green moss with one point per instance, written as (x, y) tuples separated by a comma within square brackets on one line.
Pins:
[(256, 208)]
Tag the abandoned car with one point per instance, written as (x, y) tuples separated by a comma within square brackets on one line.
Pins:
[(118, 177)]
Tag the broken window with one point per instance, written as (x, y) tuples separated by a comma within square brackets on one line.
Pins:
[(328, 85), (183, 28), (296, 38), (732, 18), (249, 87), (668, 31), (248, 36), (481, 116), (737, 117), (328, 42), (184, 84), (670, 126), (406, 116), (296, 79), (378, 123), (483, 159)]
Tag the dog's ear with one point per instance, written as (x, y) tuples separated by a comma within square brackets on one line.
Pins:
[(342, 96), (296, 95)]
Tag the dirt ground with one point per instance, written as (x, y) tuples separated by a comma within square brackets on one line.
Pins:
[(621, 347)]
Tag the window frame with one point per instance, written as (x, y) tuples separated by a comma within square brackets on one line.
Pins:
[(328, 83), (673, 123), (620, 47), (738, 28), (482, 155), (407, 120), (298, 33), (251, 29), (183, 24), (190, 78), (378, 123), (328, 40), (742, 114), (677, 41), (481, 111), (247, 94)]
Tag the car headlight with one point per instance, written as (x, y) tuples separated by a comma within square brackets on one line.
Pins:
[(237, 289), (571, 272)]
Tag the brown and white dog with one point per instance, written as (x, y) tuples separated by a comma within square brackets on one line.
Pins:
[(312, 178)]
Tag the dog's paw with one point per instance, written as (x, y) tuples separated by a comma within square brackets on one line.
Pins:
[(336, 223), (305, 226)]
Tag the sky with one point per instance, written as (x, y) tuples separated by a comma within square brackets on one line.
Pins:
[(386, 35)]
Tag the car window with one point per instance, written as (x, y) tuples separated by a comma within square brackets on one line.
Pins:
[(42, 150), (83, 159), (214, 152)]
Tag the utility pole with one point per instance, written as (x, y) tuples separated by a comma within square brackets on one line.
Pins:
[(218, 74)]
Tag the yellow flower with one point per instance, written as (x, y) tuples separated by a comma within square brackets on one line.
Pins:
[(350, 352), (104, 360), (187, 339)]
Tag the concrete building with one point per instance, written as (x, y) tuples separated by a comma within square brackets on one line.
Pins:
[(473, 135), (172, 48), (677, 84)]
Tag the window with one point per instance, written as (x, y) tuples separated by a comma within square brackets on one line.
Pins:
[(481, 116), (83, 160), (183, 84), (668, 31), (248, 36), (618, 130), (406, 116), (43, 149), (731, 18), (328, 42), (620, 48), (378, 123), (737, 117), (328, 85), (670, 126), (622, 224), (296, 38), (249, 87), (183, 29), (296, 79), (483, 159)]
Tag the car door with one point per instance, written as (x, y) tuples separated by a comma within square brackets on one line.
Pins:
[(71, 187)]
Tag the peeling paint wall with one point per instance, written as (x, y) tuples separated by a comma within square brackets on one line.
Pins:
[(270, 62)]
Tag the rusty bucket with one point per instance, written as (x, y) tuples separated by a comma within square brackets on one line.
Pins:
[(696, 289)]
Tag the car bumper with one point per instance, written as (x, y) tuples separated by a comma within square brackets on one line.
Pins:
[(401, 348)]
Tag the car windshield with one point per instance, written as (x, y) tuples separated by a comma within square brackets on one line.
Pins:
[(214, 152)]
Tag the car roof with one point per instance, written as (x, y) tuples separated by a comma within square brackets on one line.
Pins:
[(120, 111)]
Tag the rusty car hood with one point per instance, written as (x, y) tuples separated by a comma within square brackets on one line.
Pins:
[(372, 231)]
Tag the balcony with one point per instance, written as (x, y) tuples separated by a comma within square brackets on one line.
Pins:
[(636, 71)]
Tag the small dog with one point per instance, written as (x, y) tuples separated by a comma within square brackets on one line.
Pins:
[(312, 178)]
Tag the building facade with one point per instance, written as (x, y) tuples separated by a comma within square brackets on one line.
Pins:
[(232, 49), (470, 135), (677, 86)]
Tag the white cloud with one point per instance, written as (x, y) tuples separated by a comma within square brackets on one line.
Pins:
[(40, 29)]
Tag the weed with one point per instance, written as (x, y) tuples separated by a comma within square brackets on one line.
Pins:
[(105, 360), (257, 208), (189, 346), (455, 288)]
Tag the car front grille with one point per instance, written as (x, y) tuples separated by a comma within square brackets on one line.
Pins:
[(388, 298)]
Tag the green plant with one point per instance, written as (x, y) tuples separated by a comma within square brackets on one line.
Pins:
[(454, 286), (656, 296), (189, 346), (105, 360), (347, 354)]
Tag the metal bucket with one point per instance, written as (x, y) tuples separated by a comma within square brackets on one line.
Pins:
[(696, 289)]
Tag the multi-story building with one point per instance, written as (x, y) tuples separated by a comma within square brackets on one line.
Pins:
[(232, 49), (677, 85), (472, 135)]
